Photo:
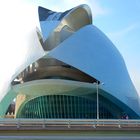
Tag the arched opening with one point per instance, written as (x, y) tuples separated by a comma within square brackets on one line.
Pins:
[(66, 106)]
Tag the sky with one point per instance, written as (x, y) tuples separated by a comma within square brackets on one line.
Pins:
[(118, 19)]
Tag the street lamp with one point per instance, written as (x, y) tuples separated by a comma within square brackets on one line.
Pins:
[(97, 91), (97, 88)]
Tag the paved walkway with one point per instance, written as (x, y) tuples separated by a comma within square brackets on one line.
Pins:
[(70, 137)]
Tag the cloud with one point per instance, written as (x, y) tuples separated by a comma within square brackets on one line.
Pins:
[(123, 32), (96, 8)]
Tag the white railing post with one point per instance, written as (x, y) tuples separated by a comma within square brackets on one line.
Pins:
[(43, 125), (94, 124), (18, 123), (69, 124), (119, 123)]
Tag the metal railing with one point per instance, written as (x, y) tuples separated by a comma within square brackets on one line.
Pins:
[(86, 123)]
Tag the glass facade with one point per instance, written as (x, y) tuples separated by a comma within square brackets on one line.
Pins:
[(65, 106)]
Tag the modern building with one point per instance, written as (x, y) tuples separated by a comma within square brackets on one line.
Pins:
[(81, 75)]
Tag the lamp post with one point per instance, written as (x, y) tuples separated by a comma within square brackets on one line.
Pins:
[(97, 92), (97, 88)]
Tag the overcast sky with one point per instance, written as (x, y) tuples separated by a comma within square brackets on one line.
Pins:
[(118, 19)]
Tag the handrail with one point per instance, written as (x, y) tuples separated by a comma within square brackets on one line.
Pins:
[(119, 123)]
